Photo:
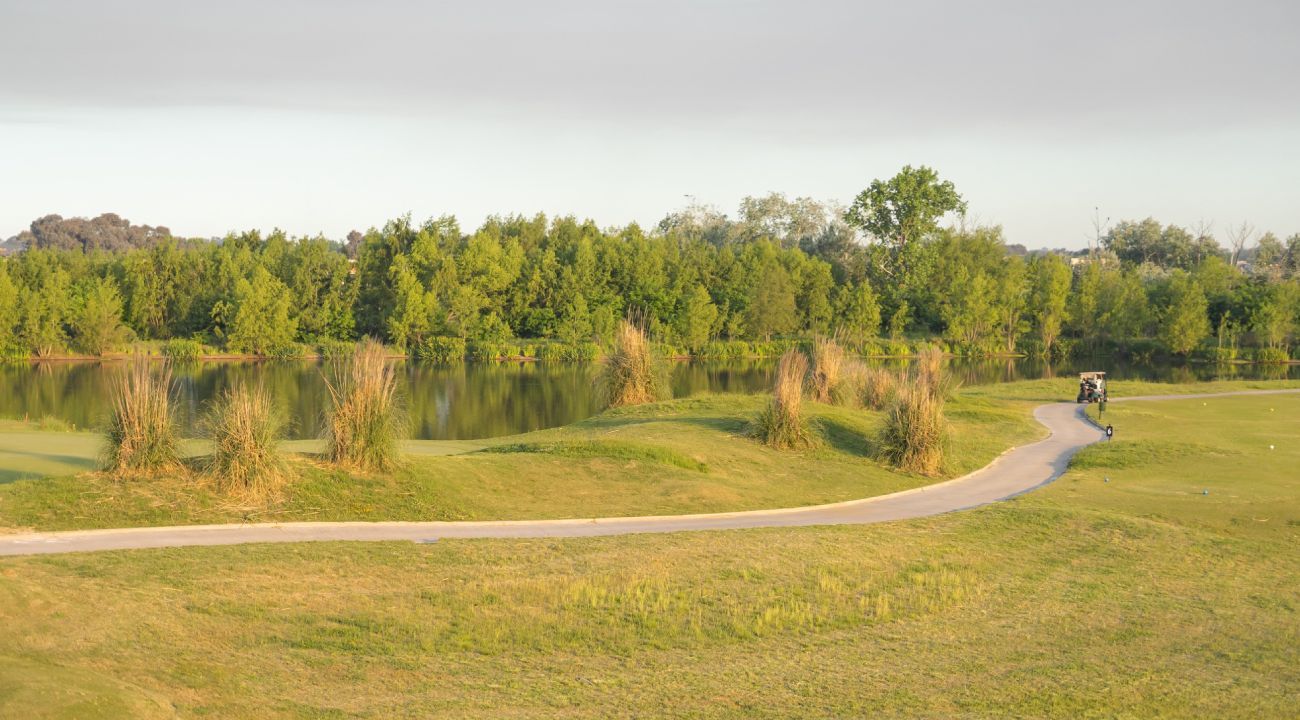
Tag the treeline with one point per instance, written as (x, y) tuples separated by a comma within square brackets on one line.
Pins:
[(882, 271)]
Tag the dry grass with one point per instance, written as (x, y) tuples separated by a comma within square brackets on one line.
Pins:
[(245, 431), (142, 434), (781, 424), (915, 430), (931, 375), (632, 374), (875, 387), (364, 425), (828, 372)]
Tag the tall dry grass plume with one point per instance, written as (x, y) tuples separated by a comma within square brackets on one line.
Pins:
[(875, 386), (930, 374), (633, 374), (245, 431), (915, 430), (781, 424), (363, 426), (142, 433), (828, 372)]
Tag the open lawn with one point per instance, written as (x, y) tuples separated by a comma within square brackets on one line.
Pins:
[(1121, 590), (681, 456)]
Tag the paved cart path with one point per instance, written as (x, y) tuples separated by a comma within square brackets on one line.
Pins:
[(1014, 472)]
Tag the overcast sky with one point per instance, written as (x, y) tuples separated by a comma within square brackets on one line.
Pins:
[(328, 115)]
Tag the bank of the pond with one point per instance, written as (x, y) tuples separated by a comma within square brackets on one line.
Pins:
[(682, 456), (467, 401)]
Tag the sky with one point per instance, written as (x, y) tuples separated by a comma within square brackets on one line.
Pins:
[(323, 116)]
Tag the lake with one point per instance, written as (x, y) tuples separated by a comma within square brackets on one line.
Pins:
[(478, 400)]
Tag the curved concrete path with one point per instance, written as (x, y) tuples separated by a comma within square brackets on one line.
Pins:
[(1014, 472)]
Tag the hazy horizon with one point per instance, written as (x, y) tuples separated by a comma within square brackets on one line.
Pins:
[(323, 117)]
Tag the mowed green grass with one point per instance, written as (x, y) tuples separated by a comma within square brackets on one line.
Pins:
[(682, 456), (1137, 597)]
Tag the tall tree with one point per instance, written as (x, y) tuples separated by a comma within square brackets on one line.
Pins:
[(97, 322), (1050, 288), (1185, 322)]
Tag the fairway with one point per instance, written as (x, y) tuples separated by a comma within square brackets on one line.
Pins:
[(1120, 589)]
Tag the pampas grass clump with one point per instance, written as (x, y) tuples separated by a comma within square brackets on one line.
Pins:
[(363, 426), (633, 374), (931, 376), (245, 431), (828, 372), (875, 387), (781, 424), (915, 431), (142, 433)]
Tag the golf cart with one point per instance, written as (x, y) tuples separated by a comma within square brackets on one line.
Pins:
[(1092, 387)]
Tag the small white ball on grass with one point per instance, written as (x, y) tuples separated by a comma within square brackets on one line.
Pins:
[(1270, 447)]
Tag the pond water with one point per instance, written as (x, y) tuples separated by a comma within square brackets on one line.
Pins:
[(478, 400)]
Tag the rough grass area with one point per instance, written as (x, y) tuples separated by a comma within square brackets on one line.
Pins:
[(642, 460), (1138, 597)]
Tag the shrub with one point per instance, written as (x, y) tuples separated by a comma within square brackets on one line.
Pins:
[(332, 348), (363, 427), (245, 431), (915, 430), (827, 377), (781, 424), (285, 351), (1271, 355), (725, 350), (485, 350), (182, 350), (633, 374), (442, 350), (142, 429)]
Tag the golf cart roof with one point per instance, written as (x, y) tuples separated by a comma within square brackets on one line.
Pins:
[(1091, 375)]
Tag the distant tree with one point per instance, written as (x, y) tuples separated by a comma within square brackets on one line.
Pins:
[(858, 312), (696, 319), (1010, 300), (8, 313), (905, 208), (1050, 291), (262, 322), (97, 323), (1184, 322), (772, 306), (106, 232)]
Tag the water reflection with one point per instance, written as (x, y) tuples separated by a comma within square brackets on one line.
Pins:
[(488, 399)]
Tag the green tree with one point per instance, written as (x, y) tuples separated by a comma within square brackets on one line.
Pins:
[(1010, 294), (262, 323), (858, 312), (696, 319), (771, 308), (9, 344), (97, 323), (905, 208), (1050, 289), (1184, 322)]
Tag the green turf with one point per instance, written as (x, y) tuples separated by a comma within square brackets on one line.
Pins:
[(1121, 590), (683, 456)]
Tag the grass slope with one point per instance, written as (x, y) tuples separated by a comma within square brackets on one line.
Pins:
[(682, 456), (1134, 597)]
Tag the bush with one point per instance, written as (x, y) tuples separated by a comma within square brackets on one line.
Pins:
[(827, 376), (363, 428), (725, 350), (1271, 355), (897, 348), (633, 374), (182, 350), (245, 431), (930, 375), (1216, 354), (286, 351), (333, 348), (485, 350), (915, 430), (444, 350), (142, 429), (781, 424)]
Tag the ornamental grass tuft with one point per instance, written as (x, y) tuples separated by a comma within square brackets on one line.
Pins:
[(633, 374), (245, 430), (364, 425), (142, 434), (781, 424)]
